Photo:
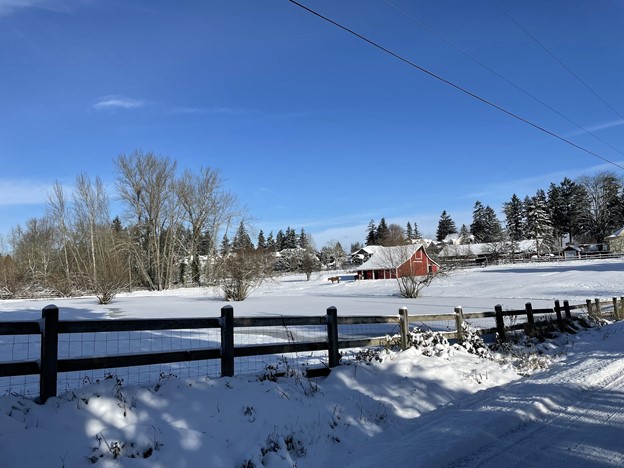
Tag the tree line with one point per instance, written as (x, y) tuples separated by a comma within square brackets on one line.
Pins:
[(586, 210), (76, 247), (174, 228)]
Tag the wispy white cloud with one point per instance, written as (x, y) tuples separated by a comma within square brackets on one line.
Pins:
[(118, 102), (9, 7), (214, 110), (23, 192), (503, 190), (598, 127)]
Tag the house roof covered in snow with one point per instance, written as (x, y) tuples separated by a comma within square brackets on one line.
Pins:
[(386, 258), (479, 249), (618, 233)]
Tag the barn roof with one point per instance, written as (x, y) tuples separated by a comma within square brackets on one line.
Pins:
[(386, 258)]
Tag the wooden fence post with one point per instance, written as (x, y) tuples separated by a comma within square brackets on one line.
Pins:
[(49, 352), (568, 312), (598, 309), (332, 337), (404, 327), (459, 323), (530, 327), (227, 341), (590, 309), (616, 310), (500, 323), (560, 322)]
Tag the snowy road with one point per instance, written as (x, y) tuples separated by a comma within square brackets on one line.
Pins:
[(571, 415)]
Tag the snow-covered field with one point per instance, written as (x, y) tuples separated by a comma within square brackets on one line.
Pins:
[(448, 409)]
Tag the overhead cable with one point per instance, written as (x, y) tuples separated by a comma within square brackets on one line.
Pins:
[(508, 81), (456, 86), (568, 69)]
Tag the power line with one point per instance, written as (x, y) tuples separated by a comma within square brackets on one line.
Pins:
[(456, 86), (568, 69), (491, 70)]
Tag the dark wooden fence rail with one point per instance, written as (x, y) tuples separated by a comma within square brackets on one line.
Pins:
[(49, 327)]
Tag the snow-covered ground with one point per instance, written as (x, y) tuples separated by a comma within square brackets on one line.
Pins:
[(450, 408)]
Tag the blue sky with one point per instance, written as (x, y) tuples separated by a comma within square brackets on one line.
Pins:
[(309, 126)]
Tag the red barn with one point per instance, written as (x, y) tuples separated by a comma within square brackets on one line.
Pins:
[(393, 262)]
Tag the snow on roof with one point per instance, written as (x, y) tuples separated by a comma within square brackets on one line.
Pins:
[(617, 233), (475, 250), (389, 257)]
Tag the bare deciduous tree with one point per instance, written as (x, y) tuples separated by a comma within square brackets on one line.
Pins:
[(146, 184), (244, 271), (207, 207)]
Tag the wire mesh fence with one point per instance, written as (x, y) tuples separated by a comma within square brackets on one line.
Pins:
[(16, 348), (261, 347)]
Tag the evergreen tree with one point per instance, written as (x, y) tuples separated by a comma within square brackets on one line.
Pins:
[(290, 239), (538, 223), (205, 246), (464, 234), (262, 243), (478, 227), (279, 241), (383, 232), (116, 225), (514, 218), (494, 232), (566, 203), (225, 245), (416, 233), (446, 226), (242, 241), (409, 232), (270, 243), (371, 237), (303, 239)]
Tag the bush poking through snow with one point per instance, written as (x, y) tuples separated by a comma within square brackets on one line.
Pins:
[(473, 343), (430, 343)]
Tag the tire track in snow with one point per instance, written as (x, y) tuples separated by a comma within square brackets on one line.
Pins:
[(557, 439), (570, 415)]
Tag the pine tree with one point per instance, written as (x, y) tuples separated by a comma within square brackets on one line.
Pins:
[(242, 241), (279, 241), (538, 223), (116, 225), (205, 246), (383, 232), (478, 227), (270, 243), (464, 234), (514, 218), (303, 239), (493, 231), (262, 243), (416, 233), (225, 245), (446, 226), (409, 232), (566, 203), (371, 237), (290, 239)]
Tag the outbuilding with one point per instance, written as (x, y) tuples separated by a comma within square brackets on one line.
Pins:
[(398, 261)]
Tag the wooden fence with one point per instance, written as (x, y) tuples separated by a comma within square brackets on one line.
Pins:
[(50, 327)]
